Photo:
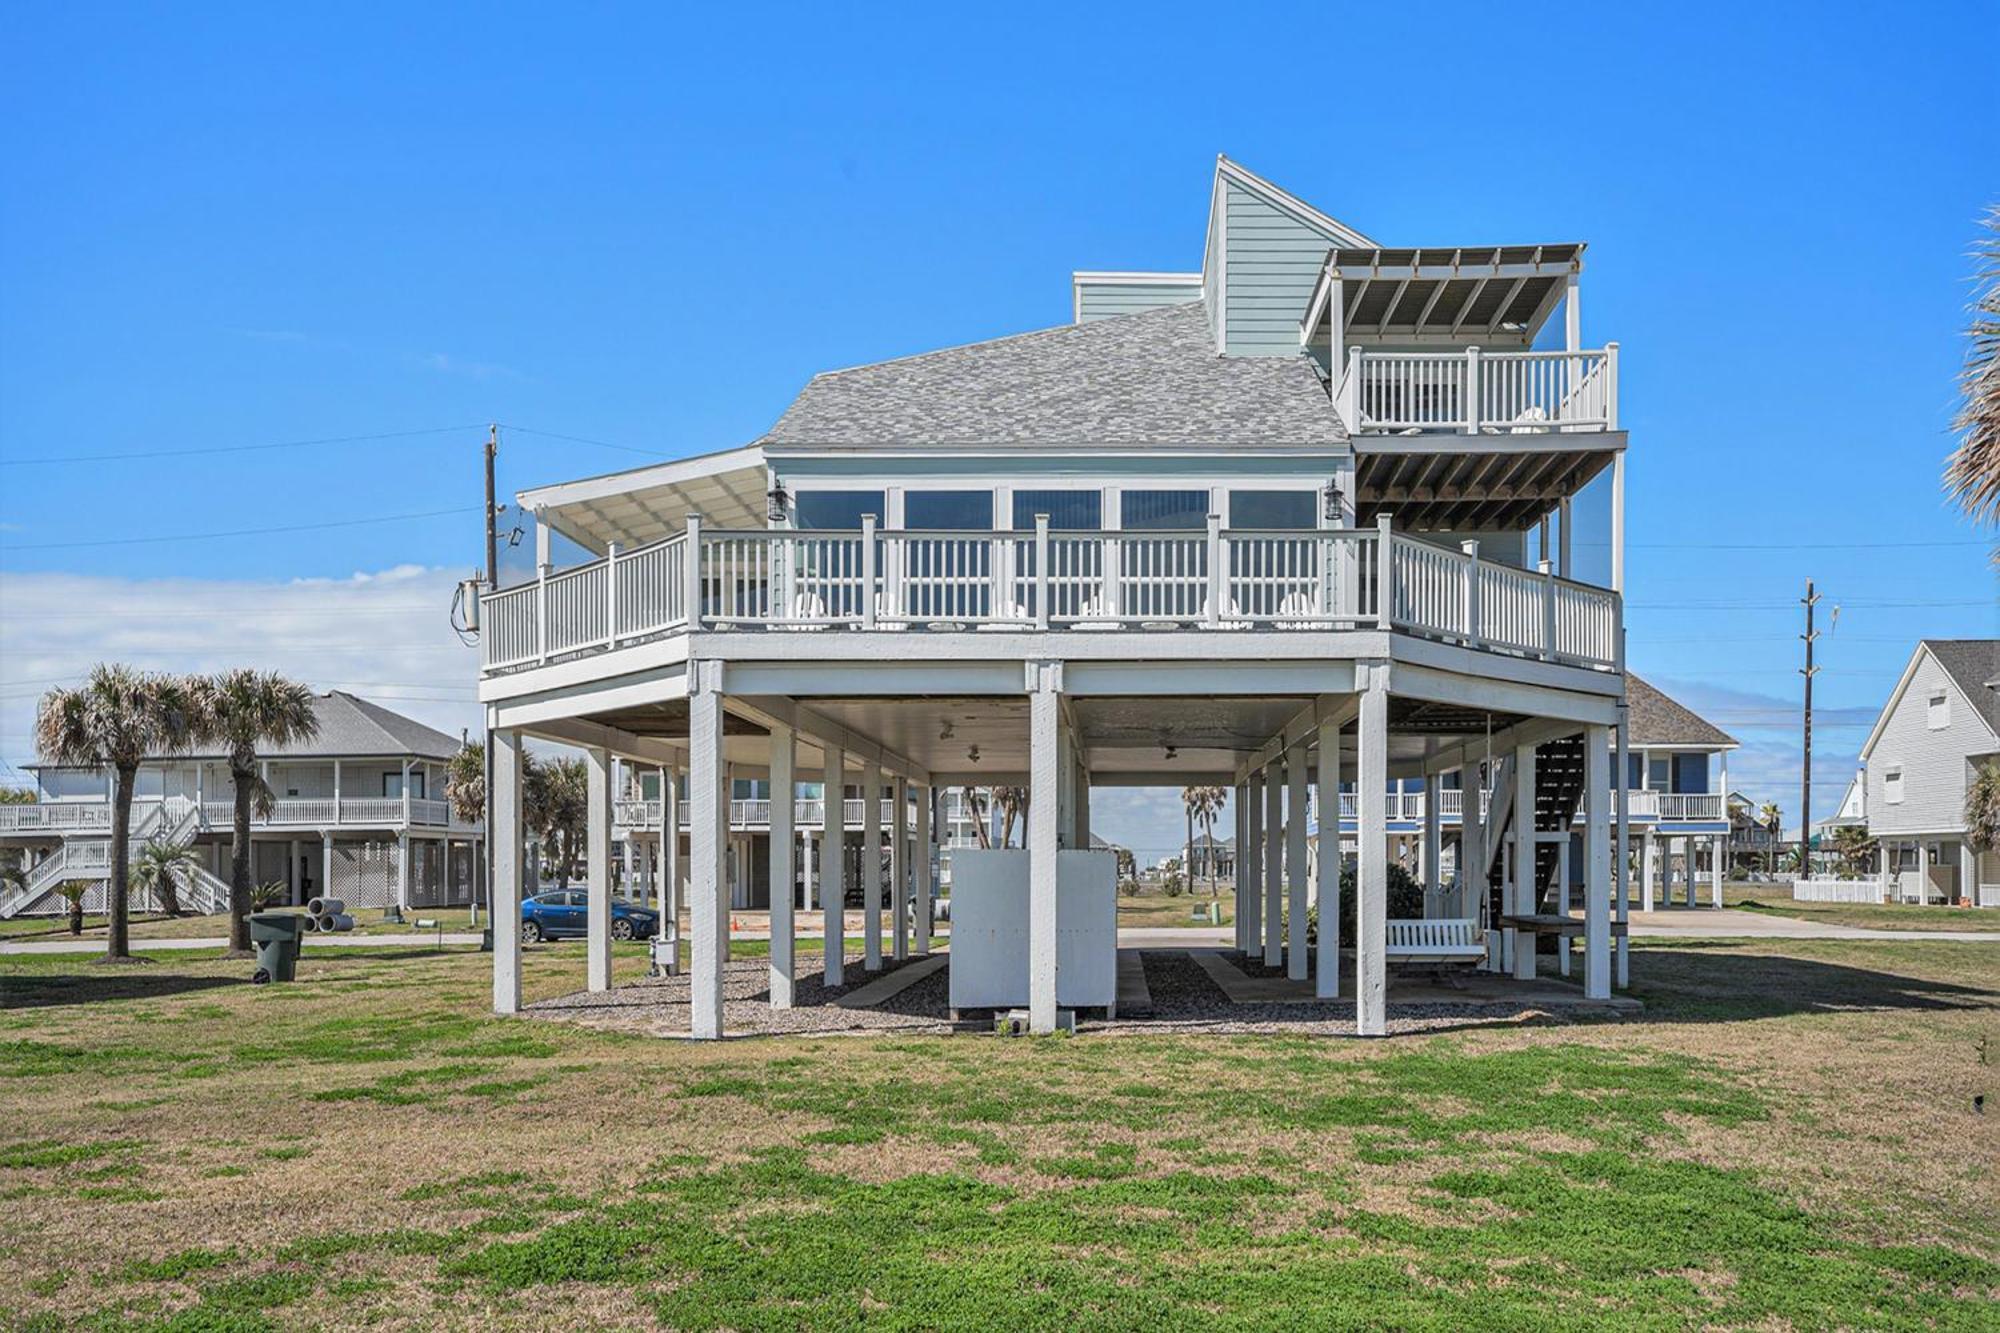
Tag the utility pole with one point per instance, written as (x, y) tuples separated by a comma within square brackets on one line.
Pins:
[(492, 585), (1811, 599)]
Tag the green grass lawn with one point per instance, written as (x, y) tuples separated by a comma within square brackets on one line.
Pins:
[(1154, 908), (1785, 1139), (1776, 900)]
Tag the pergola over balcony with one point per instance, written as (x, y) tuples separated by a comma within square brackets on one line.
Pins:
[(1429, 340)]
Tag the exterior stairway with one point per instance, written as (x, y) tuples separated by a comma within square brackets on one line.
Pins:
[(1558, 791), (90, 859)]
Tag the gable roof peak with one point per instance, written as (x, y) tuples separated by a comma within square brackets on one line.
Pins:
[(1227, 168)]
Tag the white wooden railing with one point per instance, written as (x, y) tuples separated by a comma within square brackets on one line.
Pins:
[(641, 815), (55, 816), (1668, 807), (1678, 806), (1230, 580), (324, 811), (1474, 392)]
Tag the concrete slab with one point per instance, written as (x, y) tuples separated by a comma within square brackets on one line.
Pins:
[(893, 983), (1135, 998)]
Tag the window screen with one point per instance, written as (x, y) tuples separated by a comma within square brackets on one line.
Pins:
[(957, 511)]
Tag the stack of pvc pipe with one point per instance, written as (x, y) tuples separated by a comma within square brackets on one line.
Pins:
[(328, 915)]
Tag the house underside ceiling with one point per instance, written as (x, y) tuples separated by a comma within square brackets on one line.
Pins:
[(967, 737), (1463, 488), (648, 512)]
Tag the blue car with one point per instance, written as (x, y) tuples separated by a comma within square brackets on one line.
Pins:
[(563, 912)]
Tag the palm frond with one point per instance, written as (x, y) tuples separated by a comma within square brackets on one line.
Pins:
[(1972, 472)]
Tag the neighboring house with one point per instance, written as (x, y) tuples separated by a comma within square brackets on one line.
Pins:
[(360, 808), (1210, 857), (1940, 725), (1752, 842), (1298, 518)]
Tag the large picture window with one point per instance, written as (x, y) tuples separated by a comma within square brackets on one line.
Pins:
[(1155, 511), (839, 511), (1265, 510), (1071, 511), (953, 511)]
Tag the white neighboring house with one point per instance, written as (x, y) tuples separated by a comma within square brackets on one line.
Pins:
[(360, 807), (1941, 724)]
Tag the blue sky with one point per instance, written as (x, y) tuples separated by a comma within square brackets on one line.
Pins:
[(258, 225)]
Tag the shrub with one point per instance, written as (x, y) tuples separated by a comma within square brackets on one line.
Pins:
[(1406, 899)]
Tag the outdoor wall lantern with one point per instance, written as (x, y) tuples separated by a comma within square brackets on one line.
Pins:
[(779, 502), (1332, 497)]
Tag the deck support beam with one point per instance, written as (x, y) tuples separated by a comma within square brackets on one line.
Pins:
[(1372, 868), (784, 751), (503, 805), (708, 892), (1250, 865), (1296, 959), (1274, 863), (597, 868), (1044, 762), (1596, 864), (833, 862), (1520, 945), (871, 867), (1326, 982)]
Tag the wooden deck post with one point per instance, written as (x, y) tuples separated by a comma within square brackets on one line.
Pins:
[(784, 751), (504, 803), (708, 802), (871, 868), (1296, 959), (597, 863), (833, 862), (1326, 982), (1274, 863), (1371, 1012), (1044, 724), (1250, 865), (1596, 864)]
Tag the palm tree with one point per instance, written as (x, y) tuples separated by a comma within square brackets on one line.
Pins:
[(243, 709), (1204, 805), (1851, 843), (1013, 803), (975, 810), (116, 719), (1774, 820), (163, 869), (465, 782), (1972, 473), (555, 804), (71, 891), (1982, 810)]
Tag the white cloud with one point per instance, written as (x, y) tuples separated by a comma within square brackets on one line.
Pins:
[(445, 364), (382, 634)]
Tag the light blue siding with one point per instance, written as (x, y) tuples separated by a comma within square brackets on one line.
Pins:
[(1098, 299), (1274, 258)]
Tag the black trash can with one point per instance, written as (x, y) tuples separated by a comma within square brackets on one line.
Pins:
[(275, 936)]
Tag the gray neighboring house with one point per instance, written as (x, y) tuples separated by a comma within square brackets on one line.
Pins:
[(360, 807), (1939, 727)]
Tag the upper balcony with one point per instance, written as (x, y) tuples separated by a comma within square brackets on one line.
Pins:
[(1475, 392), (368, 812), (1213, 581)]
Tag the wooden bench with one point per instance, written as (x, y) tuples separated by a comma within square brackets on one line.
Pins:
[(1440, 940)]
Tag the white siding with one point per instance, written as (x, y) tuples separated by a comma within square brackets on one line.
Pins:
[(1935, 763)]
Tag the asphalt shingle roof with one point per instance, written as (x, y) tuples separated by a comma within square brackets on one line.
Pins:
[(354, 726), (1658, 720), (1151, 378), (1972, 663)]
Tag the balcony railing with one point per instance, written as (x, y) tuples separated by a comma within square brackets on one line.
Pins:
[(640, 815), (1661, 806), (1474, 392), (325, 812), (1213, 580), (55, 817)]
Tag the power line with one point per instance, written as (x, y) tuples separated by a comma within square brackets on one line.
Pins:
[(257, 532), (584, 439), (140, 455)]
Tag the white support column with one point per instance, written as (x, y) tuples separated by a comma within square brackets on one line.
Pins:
[(1433, 836), (1618, 521), (871, 868), (1563, 901), (1648, 858), (1250, 865), (326, 878), (1274, 864), (1567, 512), (1688, 867), (833, 863), (1044, 726), (1521, 880), (708, 805), (1371, 779), (1296, 959), (899, 869), (597, 860), (1240, 816), (926, 866), (784, 750), (293, 873), (1326, 982), (1715, 850), (503, 825), (1622, 840), (671, 878), (403, 870), (1596, 863)]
